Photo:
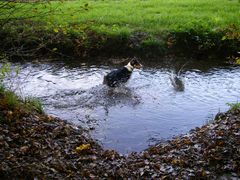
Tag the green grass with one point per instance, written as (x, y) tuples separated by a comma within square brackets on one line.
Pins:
[(13, 107), (9, 100), (34, 103), (234, 106), (2, 89), (128, 16)]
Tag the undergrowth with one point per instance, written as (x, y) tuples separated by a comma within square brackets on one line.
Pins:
[(10, 101), (234, 106), (34, 103)]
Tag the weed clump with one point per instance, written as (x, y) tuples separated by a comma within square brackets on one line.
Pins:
[(234, 106), (34, 103)]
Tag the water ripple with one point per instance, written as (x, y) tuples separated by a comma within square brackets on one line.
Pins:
[(147, 110)]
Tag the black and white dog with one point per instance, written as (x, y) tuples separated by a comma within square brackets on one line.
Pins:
[(122, 75)]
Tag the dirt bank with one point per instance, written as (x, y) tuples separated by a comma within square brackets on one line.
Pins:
[(19, 42)]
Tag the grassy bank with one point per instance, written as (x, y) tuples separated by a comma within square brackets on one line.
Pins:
[(147, 27), (14, 104)]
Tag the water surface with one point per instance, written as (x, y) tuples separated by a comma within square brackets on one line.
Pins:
[(145, 111)]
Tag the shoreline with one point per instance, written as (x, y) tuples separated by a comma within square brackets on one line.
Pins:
[(18, 43)]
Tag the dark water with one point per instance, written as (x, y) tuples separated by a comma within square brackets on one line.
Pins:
[(146, 111)]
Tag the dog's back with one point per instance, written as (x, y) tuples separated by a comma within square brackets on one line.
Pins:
[(117, 77)]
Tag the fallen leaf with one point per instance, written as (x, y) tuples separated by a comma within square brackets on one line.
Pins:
[(83, 147)]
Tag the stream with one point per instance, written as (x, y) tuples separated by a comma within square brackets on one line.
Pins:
[(147, 110)]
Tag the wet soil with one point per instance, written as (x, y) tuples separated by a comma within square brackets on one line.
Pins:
[(34, 145)]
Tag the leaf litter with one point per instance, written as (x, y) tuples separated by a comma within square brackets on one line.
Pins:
[(38, 146)]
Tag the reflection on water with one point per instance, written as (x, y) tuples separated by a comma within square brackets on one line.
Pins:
[(156, 104)]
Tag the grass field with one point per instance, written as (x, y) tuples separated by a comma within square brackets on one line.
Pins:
[(156, 18), (126, 16)]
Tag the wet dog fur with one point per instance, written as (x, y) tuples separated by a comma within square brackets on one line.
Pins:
[(121, 75)]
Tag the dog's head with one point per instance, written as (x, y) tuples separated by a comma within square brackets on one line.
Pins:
[(135, 63)]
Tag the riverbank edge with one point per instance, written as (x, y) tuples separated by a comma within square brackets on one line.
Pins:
[(36, 145), (29, 40)]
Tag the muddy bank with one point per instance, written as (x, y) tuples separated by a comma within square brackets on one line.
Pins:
[(19, 42), (37, 145)]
